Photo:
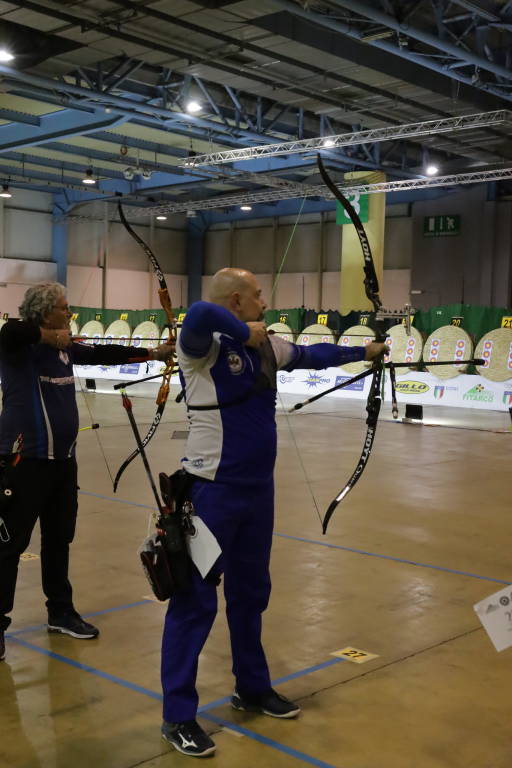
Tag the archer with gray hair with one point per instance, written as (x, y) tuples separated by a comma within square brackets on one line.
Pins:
[(39, 300), (38, 433)]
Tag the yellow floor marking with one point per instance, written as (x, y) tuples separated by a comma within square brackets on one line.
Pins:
[(355, 654)]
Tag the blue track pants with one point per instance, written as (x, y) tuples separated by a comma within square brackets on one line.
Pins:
[(241, 519)]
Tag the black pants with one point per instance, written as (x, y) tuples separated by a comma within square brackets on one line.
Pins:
[(47, 490)]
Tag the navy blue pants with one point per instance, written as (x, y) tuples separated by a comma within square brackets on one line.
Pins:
[(241, 519), (44, 489)]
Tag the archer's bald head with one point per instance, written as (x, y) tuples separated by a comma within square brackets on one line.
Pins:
[(239, 291)]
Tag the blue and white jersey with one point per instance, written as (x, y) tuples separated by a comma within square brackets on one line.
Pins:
[(236, 442), (38, 388)]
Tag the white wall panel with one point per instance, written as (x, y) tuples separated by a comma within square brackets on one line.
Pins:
[(16, 275), (396, 286), (84, 286), (27, 235)]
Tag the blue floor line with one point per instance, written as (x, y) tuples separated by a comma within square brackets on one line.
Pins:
[(390, 557), (202, 710), (270, 742), (37, 627), (338, 546), (87, 668), (277, 681)]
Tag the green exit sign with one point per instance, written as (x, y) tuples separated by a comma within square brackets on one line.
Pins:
[(438, 226)]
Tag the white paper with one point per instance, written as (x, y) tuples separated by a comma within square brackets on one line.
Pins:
[(495, 613), (203, 547)]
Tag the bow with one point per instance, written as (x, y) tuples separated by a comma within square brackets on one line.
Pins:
[(165, 301), (373, 403)]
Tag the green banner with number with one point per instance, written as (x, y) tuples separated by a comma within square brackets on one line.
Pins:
[(360, 205)]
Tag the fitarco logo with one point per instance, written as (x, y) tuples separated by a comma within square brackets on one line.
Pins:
[(412, 387)]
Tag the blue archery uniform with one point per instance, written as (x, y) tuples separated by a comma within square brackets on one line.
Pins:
[(235, 440), (39, 403), (38, 389), (230, 390)]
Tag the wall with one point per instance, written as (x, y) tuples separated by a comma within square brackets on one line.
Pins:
[(473, 267), (25, 246), (106, 265)]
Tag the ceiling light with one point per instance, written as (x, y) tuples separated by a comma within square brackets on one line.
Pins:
[(5, 191), (128, 173), (246, 207), (431, 170), (88, 179), (329, 142), (161, 218), (5, 55), (193, 106)]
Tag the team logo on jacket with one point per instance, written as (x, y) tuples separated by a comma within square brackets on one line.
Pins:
[(235, 363), (64, 357)]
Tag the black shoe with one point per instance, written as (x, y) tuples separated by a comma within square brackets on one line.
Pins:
[(2, 645), (188, 738), (268, 703), (72, 624)]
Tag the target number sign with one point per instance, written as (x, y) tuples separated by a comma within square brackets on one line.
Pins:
[(506, 322), (355, 654)]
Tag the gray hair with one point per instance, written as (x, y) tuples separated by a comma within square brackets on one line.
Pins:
[(40, 299)]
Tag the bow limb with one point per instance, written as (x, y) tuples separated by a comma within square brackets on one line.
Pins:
[(165, 301), (371, 284)]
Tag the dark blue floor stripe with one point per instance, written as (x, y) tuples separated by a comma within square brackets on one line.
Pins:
[(203, 710), (37, 627), (87, 668), (277, 681), (337, 546), (390, 557), (270, 742)]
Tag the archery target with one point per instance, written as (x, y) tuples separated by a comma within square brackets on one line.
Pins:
[(118, 332), (356, 336), (447, 343), (404, 347), (316, 334), (146, 334), (73, 327), (282, 330), (496, 349), (93, 332)]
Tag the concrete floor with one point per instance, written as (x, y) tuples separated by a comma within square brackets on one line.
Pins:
[(426, 533)]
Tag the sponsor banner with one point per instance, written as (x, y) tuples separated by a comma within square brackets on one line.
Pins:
[(356, 386), (126, 372), (462, 391)]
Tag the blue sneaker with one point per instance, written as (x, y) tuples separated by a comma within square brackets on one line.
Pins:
[(188, 738), (268, 703)]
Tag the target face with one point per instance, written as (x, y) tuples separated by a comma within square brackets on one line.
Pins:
[(356, 336), (93, 331), (282, 330), (447, 343), (146, 334), (316, 334), (118, 332), (495, 348)]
